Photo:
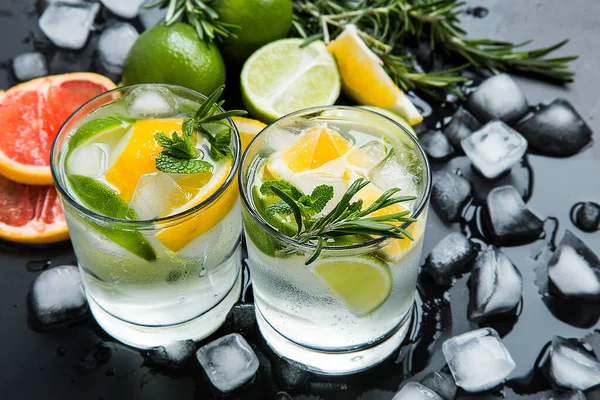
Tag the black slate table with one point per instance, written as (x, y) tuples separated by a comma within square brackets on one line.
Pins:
[(82, 362)]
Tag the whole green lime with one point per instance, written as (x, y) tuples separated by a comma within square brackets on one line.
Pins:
[(260, 22), (174, 54)]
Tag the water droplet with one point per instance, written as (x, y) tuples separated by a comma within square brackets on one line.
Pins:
[(37, 265), (181, 299), (202, 272)]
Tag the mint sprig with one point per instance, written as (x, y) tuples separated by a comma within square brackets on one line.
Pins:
[(179, 154), (346, 218)]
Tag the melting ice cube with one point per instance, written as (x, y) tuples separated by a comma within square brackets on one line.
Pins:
[(30, 65), (416, 391), (442, 383), (114, 44), (463, 123), (57, 296), (150, 17), (397, 171), (88, 160), (449, 194), (494, 149), (156, 195), (280, 138), (449, 257), (174, 354), (144, 102), (496, 284), (510, 219), (123, 8), (68, 25), (574, 270), (556, 129), (367, 156), (498, 97), (571, 366), (229, 362), (478, 360), (436, 145)]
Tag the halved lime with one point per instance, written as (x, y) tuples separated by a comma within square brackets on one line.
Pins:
[(283, 77), (363, 282), (100, 198)]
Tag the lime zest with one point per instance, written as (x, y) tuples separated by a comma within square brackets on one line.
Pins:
[(102, 199)]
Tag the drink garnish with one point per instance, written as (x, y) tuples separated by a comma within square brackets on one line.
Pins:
[(346, 218), (179, 155)]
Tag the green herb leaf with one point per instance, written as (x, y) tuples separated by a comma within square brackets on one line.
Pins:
[(286, 187), (320, 197), (279, 207), (173, 165), (177, 146), (220, 147)]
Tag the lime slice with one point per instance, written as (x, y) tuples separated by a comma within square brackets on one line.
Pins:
[(103, 200), (98, 126), (283, 77), (283, 223), (364, 283)]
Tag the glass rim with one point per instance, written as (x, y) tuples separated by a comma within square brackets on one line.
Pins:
[(309, 247), (65, 195)]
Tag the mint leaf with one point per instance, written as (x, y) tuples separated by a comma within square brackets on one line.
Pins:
[(286, 187), (279, 207), (220, 147), (320, 197), (176, 146), (174, 165)]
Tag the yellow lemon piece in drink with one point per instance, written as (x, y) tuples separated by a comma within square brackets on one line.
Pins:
[(365, 80), (363, 283), (248, 129), (136, 154), (178, 235)]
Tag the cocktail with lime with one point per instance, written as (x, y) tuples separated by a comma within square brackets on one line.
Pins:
[(146, 177), (335, 202)]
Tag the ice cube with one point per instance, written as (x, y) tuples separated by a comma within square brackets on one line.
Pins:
[(478, 360), (571, 366), (242, 318), (367, 156), (173, 354), (150, 17), (30, 65), (144, 102), (562, 395), (309, 180), (291, 374), (448, 257), (88, 160), (587, 217), (156, 195), (463, 123), (449, 194), (395, 172), (510, 220), (416, 391), (114, 44), (123, 8), (436, 145), (229, 362), (68, 25), (279, 138), (57, 296), (442, 383), (498, 97), (494, 149), (496, 285), (556, 129), (574, 270)]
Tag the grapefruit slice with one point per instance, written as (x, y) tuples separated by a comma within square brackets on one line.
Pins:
[(31, 115), (30, 214)]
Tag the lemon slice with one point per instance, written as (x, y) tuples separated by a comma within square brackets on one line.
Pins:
[(365, 80), (248, 129), (363, 283), (284, 76)]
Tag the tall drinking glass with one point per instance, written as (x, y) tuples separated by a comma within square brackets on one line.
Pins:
[(159, 253), (350, 308)]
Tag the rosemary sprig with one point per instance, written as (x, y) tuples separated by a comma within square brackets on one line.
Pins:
[(346, 218), (200, 15)]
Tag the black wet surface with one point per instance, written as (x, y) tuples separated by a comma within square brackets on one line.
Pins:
[(82, 362)]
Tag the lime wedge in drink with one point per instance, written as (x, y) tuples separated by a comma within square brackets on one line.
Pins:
[(283, 77), (364, 283), (98, 126), (103, 200)]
